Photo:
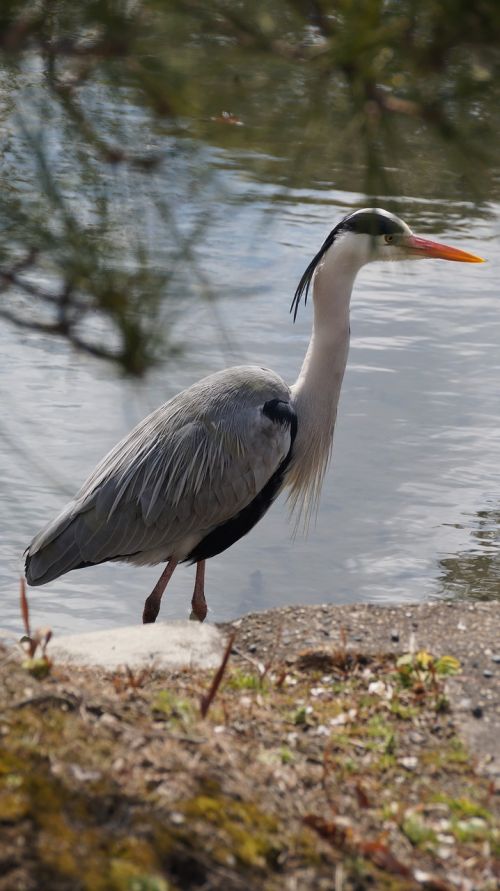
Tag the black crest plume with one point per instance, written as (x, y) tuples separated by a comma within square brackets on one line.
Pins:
[(305, 282)]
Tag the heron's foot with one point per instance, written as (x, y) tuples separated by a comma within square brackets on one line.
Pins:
[(193, 617), (151, 609), (199, 608)]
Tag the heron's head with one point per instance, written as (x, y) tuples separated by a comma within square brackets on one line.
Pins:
[(373, 234)]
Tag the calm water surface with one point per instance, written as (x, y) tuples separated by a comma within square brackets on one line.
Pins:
[(410, 503)]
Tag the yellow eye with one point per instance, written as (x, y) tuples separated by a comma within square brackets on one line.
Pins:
[(389, 238)]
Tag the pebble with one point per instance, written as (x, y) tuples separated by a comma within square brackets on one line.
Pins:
[(477, 712), (409, 762), (321, 730), (108, 719), (395, 636), (487, 673), (445, 839), (496, 658)]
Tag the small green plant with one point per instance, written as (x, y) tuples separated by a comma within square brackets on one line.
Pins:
[(126, 876), (463, 807), (300, 716), (470, 830), (170, 706), (442, 704), (447, 665), (240, 680), (286, 755), (148, 883), (420, 835), (401, 711), (421, 672)]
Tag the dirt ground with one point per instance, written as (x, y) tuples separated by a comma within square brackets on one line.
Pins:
[(340, 748)]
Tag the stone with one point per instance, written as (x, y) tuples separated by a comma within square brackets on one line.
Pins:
[(162, 644)]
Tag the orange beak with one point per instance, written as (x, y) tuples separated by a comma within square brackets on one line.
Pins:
[(441, 251)]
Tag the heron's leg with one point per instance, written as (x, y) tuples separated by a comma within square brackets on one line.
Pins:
[(152, 604), (198, 603)]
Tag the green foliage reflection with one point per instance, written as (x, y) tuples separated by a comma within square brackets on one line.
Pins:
[(106, 104)]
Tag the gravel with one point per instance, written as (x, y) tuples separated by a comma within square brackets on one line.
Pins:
[(468, 631)]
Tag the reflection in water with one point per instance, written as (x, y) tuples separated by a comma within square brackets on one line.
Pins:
[(475, 573)]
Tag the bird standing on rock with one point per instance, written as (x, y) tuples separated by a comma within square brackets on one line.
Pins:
[(199, 472)]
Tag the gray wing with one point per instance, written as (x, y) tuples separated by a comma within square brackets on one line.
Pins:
[(190, 466)]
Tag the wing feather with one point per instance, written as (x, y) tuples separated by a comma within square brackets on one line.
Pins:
[(190, 466)]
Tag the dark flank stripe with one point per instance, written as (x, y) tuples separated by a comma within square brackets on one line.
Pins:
[(227, 533)]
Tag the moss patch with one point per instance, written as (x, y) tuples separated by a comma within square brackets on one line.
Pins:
[(331, 766)]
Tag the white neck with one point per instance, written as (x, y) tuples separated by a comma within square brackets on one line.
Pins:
[(317, 389)]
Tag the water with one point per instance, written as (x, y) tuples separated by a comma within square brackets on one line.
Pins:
[(410, 502)]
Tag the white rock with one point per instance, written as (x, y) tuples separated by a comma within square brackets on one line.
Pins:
[(409, 762), (321, 730), (378, 688), (343, 718), (163, 644)]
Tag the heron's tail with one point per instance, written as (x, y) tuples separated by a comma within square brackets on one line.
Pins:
[(54, 551)]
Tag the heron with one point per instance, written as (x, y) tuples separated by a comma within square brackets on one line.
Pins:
[(198, 473)]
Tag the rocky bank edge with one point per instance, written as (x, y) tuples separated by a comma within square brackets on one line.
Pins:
[(470, 631)]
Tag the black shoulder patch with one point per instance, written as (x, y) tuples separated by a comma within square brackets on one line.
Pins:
[(281, 413)]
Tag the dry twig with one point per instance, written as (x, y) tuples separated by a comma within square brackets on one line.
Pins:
[(208, 698)]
